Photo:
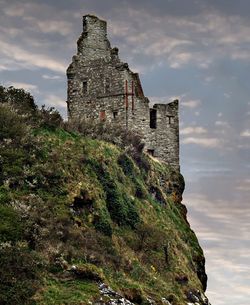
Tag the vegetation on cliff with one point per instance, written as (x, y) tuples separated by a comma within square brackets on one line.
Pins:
[(76, 211)]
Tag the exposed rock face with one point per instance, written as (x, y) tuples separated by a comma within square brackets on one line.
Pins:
[(101, 87), (111, 297)]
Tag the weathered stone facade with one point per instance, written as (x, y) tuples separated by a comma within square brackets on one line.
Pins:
[(101, 87)]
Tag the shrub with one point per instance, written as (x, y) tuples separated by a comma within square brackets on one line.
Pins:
[(122, 209), (97, 248), (4, 195), (14, 160), (19, 273), (140, 190), (156, 193), (110, 132), (11, 227), (134, 295), (150, 238), (12, 125), (102, 223), (49, 118), (22, 101), (126, 164), (88, 272), (141, 160)]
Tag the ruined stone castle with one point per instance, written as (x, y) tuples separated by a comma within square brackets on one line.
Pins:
[(102, 88)]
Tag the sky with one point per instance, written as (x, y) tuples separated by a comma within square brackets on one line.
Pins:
[(194, 50)]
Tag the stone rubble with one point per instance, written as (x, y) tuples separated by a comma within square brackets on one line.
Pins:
[(112, 297)]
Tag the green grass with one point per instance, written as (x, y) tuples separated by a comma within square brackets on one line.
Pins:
[(108, 227), (71, 292)]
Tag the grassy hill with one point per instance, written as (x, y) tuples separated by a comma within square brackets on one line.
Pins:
[(78, 211)]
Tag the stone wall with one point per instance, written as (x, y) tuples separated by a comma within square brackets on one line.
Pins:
[(101, 87)]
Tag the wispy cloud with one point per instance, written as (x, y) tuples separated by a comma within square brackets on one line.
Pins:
[(191, 103), (226, 246), (204, 142), (55, 101), (244, 185), (29, 87), (192, 130), (245, 133), (19, 57), (51, 77), (221, 123)]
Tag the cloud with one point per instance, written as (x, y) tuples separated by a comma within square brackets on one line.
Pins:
[(166, 46), (227, 95), (166, 99), (55, 101), (223, 230), (19, 57), (3, 67), (222, 123), (178, 60), (51, 77), (203, 142), (14, 10), (29, 87), (209, 79), (245, 133), (201, 41), (191, 103), (244, 185), (192, 130), (61, 27)]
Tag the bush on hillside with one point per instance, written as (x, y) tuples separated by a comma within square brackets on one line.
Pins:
[(49, 118), (102, 223), (21, 102), (109, 132), (12, 125), (11, 226), (20, 99), (19, 273), (126, 164), (121, 207)]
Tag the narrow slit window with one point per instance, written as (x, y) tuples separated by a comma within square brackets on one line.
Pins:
[(153, 118), (115, 114), (84, 87)]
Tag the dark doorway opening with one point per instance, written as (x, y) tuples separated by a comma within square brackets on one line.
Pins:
[(153, 118), (151, 152)]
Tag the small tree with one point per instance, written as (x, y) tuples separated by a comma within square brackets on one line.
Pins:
[(19, 98)]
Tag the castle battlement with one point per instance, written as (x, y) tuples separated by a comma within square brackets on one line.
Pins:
[(102, 87)]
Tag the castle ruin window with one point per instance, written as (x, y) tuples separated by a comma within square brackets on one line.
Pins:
[(102, 115), (153, 118), (70, 75), (170, 119), (151, 152), (115, 114), (84, 87)]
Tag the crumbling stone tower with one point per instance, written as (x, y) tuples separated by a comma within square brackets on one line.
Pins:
[(101, 87)]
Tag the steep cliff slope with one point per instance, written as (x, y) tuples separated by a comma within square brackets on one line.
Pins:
[(86, 222)]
